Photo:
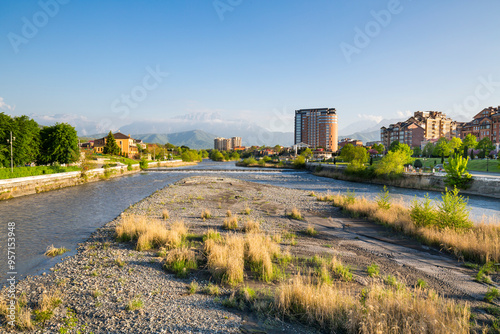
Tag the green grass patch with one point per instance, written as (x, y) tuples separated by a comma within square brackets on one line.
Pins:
[(5, 173)]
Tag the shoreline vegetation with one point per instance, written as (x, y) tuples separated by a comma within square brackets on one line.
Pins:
[(200, 249)]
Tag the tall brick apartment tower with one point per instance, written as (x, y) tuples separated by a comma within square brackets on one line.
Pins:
[(317, 128)]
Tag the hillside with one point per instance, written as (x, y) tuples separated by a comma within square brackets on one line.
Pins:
[(196, 139)]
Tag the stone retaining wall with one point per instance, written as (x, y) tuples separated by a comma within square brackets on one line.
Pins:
[(21, 186), (482, 186)]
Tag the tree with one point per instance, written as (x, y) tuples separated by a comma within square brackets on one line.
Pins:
[(470, 141), (111, 147), (277, 149), (216, 155), (307, 153), (442, 148), (59, 143), (455, 144), (428, 150), (27, 143), (404, 149), (357, 156), (379, 148), (417, 151), (393, 145), (485, 146), (392, 163), (6, 125), (190, 155), (456, 172), (299, 162)]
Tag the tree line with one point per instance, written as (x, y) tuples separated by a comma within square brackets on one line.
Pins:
[(34, 143)]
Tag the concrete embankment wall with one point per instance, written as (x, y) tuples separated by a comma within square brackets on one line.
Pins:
[(482, 186), (21, 186)]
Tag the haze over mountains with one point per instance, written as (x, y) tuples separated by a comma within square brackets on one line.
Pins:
[(198, 130)]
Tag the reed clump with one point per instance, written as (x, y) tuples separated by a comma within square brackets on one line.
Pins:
[(230, 223), (54, 251), (225, 258), (251, 226), (151, 233), (376, 310)]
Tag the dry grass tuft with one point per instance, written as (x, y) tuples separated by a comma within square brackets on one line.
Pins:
[(165, 214), (260, 250), (229, 213), (480, 243), (53, 251), (206, 214), (295, 214), (230, 223), (378, 310), (225, 258), (311, 231), (251, 226), (181, 261), (151, 233)]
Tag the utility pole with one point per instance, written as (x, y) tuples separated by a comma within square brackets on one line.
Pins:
[(11, 154)]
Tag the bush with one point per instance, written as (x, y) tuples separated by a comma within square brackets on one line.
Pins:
[(143, 164), (373, 270), (418, 163), (453, 211), (299, 162), (384, 200), (423, 213), (129, 166), (456, 172)]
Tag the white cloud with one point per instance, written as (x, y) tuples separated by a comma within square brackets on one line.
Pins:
[(375, 118), (5, 106), (404, 114)]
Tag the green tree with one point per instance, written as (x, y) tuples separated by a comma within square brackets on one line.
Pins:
[(6, 125), (307, 153), (59, 143), (393, 145), (428, 150), (190, 156), (277, 149), (379, 148), (392, 163), (111, 147), (27, 143), (350, 153), (404, 149), (456, 172), (455, 144), (442, 148), (417, 151), (485, 146), (470, 141), (216, 155), (299, 162)]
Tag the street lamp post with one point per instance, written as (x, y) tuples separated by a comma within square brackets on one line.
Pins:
[(487, 163), (11, 154)]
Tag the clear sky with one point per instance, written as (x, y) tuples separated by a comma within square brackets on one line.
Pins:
[(248, 59)]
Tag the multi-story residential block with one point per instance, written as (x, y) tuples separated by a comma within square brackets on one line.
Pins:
[(486, 124), (422, 126), (409, 133), (346, 141), (126, 143), (317, 128), (226, 144)]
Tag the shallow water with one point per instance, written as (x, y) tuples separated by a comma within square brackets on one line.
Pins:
[(68, 216)]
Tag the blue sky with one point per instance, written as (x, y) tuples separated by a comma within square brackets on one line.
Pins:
[(257, 60)]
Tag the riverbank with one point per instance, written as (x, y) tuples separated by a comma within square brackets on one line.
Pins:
[(112, 287), (11, 188), (480, 186)]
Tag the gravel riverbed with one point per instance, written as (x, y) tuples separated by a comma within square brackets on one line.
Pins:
[(97, 285)]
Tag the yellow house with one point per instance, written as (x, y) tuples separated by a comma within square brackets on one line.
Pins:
[(126, 144)]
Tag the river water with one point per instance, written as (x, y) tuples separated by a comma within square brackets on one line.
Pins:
[(68, 216)]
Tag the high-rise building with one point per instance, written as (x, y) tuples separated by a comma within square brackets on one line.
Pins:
[(317, 128), (226, 144)]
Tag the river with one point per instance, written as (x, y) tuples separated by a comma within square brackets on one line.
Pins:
[(68, 216)]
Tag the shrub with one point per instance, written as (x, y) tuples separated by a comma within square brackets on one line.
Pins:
[(384, 199), (423, 213), (418, 163), (299, 162), (129, 166), (453, 211), (456, 172), (143, 164), (373, 270)]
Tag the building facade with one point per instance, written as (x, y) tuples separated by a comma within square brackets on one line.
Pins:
[(317, 128), (126, 144), (227, 144), (486, 124)]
